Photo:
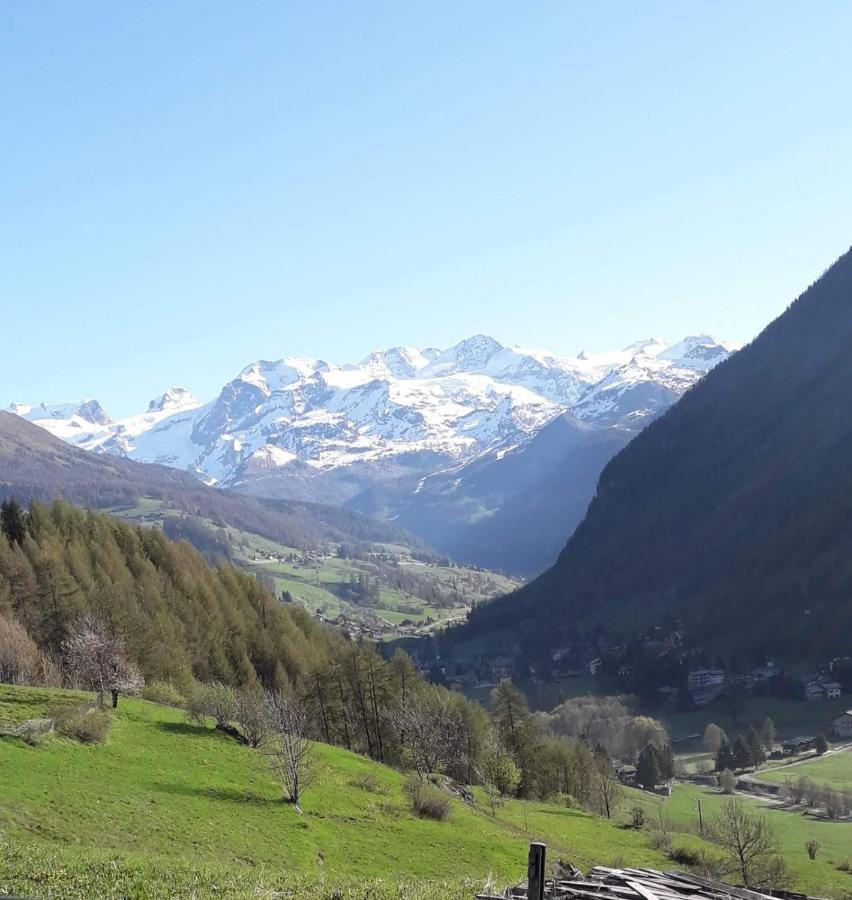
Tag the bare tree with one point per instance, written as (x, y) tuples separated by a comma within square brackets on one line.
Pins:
[(751, 846), (292, 756), (713, 738), (727, 782), (95, 658), (607, 789), (427, 729), (251, 715)]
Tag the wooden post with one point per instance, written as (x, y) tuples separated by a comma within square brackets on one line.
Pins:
[(535, 872)]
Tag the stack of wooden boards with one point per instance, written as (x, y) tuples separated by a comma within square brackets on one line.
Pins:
[(603, 883)]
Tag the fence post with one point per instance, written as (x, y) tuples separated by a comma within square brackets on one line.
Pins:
[(535, 872)]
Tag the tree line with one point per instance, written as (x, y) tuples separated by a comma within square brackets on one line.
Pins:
[(76, 585)]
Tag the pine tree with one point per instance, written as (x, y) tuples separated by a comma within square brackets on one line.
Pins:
[(725, 757), (768, 734), (742, 753), (13, 521), (665, 761), (755, 747), (648, 769)]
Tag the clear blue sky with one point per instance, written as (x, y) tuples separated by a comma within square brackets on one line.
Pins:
[(186, 187)]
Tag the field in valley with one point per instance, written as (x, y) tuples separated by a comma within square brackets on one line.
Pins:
[(833, 770), (325, 581)]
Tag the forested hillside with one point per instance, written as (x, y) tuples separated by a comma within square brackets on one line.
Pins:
[(34, 465), (732, 512), (179, 617)]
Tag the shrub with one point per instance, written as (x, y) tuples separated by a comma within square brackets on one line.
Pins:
[(216, 701), (727, 782), (84, 724), (812, 847), (369, 783), (685, 856), (637, 817), (164, 694), (426, 801)]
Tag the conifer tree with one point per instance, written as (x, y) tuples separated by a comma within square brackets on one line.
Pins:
[(768, 734), (13, 521), (648, 769), (725, 757)]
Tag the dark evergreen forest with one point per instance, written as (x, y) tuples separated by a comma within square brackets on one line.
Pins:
[(731, 513)]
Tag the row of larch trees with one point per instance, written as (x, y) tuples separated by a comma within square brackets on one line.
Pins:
[(72, 580)]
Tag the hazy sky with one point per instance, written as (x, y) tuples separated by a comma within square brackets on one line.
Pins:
[(186, 187)]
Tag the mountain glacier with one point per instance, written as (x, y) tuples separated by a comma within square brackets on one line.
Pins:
[(311, 429)]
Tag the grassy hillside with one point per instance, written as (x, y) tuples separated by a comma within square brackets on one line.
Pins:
[(164, 802), (819, 877), (834, 770)]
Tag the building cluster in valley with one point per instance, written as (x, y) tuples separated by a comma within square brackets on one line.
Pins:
[(660, 665)]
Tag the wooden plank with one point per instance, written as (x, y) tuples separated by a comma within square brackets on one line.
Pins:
[(644, 892)]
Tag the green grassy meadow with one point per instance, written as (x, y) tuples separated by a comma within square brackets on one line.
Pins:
[(818, 877), (834, 770), (166, 807)]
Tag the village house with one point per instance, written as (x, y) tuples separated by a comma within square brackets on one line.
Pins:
[(843, 724), (502, 668), (766, 672), (814, 691), (460, 682), (704, 678), (832, 690), (800, 744), (595, 665), (560, 653)]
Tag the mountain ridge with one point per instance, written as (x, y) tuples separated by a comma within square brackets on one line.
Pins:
[(732, 507), (416, 436), (470, 399)]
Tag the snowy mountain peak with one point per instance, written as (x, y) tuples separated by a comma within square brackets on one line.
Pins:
[(88, 411), (273, 375), (398, 362), (175, 398), (648, 347), (470, 355), (698, 352), (293, 421)]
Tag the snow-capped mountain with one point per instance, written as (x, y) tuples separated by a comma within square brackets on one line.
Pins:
[(309, 428)]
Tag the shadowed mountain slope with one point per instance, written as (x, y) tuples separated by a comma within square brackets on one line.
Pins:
[(732, 512)]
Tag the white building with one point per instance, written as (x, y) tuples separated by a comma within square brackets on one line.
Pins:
[(832, 690), (703, 678), (843, 724)]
